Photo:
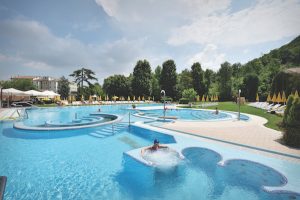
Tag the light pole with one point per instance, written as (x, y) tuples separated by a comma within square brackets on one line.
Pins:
[(164, 93), (239, 117)]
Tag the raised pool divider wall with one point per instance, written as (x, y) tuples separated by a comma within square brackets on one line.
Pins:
[(3, 180), (150, 135)]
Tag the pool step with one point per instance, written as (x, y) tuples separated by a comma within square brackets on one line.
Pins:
[(97, 135), (109, 130)]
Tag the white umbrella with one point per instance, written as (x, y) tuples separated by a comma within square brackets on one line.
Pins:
[(34, 93), (13, 91), (50, 94)]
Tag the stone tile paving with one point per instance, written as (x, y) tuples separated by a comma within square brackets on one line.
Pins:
[(249, 133)]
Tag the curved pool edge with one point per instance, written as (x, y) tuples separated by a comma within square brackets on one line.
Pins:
[(22, 126), (292, 180), (232, 115)]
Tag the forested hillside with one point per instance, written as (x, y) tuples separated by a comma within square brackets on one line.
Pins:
[(269, 65)]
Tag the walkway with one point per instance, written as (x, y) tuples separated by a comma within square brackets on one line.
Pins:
[(8, 113), (248, 135)]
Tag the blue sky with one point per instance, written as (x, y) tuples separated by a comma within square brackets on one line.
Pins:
[(109, 36)]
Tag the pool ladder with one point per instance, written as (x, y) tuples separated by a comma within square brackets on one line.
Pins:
[(23, 114)]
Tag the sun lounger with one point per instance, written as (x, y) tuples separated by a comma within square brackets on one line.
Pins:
[(273, 108)]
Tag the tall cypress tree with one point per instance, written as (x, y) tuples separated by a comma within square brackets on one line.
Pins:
[(141, 81), (198, 79), (168, 78), (225, 83)]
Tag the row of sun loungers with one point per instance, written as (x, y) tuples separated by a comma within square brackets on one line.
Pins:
[(77, 103), (277, 108)]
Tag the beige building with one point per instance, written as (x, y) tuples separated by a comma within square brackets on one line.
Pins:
[(43, 83)]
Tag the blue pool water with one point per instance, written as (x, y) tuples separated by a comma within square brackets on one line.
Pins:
[(192, 114), (91, 164)]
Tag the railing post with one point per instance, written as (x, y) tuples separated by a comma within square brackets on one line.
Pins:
[(129, 118)]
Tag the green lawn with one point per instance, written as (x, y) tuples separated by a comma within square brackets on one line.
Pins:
[(273, 120), (47, 105)]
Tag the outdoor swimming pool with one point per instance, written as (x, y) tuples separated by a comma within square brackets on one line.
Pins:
[(90, 164), (189, 114)]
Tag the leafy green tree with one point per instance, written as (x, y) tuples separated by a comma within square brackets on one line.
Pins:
[(118, 85), (285, 81), (157, 72), (225, 82), (19, 84), (168, 78), (236, 70), (198, 78), (189, 94), (63, 87), (214, 89), (250, 86), (155, 88), (141, 82), (185, 80), (83, 75), (97, 90), (209, 78)]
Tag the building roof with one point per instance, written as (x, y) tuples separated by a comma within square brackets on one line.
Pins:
[(35, 78)]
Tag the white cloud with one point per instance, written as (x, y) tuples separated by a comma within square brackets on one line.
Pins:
[(148, 10), (266, 21), (38, 65), (209, 57), (33, 46), (155, 17)]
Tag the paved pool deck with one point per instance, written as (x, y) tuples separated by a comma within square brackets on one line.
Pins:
[(8, 113), (249, 135)]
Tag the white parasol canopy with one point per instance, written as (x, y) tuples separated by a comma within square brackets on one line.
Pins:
[(34, 93), (13, 91), (50, 94)]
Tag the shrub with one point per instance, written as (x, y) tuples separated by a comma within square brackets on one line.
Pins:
[(183, 101), (189, 94), (287, 109), (167, 99), (292, 123)]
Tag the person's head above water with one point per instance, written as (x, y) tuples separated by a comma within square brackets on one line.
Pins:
[(156, 141)]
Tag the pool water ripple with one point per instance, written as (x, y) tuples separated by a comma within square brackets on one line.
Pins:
[(78, 166)]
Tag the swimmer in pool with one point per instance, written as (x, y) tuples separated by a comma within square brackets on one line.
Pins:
[(154, 147), (217, 111)]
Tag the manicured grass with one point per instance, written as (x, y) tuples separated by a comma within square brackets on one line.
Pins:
[(273, 120), (47, 105)]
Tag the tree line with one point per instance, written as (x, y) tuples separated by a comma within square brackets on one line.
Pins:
[(265, 75)]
